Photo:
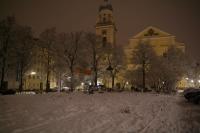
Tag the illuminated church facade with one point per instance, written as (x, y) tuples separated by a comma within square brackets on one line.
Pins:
[(160, 40)]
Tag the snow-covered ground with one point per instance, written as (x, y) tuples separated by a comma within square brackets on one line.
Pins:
[(98, 113)]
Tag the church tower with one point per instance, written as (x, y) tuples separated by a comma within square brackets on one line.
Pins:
[(105, 25)]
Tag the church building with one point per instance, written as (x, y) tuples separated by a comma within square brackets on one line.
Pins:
[(159, 39)]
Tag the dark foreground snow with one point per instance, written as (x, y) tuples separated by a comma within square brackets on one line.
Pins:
[(98, 113)]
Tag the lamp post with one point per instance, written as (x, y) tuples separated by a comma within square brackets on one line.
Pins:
[(109, 68)]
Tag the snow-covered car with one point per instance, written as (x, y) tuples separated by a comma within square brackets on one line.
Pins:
[(65, 89), (192, 95)]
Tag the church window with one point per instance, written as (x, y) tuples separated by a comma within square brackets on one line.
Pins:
[(164, 54), (104, 19), (104, 41), (104, 32), (100, 18), (109, 18)]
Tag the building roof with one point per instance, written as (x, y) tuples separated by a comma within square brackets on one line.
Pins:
[(151, 31)]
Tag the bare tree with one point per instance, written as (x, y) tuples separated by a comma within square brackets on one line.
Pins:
[(22, 51), (167, 70), (7, 27), (175, 67), (116, 62), (96, 52), (143, 55), (71, 44), (47, 43)]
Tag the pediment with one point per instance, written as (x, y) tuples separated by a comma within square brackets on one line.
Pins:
[(151, 32)]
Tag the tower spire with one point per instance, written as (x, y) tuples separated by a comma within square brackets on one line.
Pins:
[(105, 25), (106, 5)]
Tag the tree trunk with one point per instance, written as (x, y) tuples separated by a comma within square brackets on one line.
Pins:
[(3, 73), (72, 79), (95, 78), (143, 76), (47, 82), (21, 80), (113, 81), (48, 74), (60, 82)]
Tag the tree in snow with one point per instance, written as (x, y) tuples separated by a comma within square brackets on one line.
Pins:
[(70, 48), (167, 70), (116, 61), (22, 51), (7, 27), (96, 53), (47, 41), (143, 56)]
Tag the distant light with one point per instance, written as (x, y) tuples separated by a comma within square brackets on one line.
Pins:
[(68, 78), (187, 78), (90, 83), (33, 73), (82, 83), (163, 82), (192, 81), (99, 83), (199, 81), (127, 83)]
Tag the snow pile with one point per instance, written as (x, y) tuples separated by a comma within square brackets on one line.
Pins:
[(107, 113)]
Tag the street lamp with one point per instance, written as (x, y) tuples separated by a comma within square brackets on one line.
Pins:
[(33, 73), (110, 69)]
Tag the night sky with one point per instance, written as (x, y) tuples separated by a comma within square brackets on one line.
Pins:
[(177, 17)]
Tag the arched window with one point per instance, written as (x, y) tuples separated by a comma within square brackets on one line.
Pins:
[(109, 18), (104, 41), (100, 18), (104, 19)]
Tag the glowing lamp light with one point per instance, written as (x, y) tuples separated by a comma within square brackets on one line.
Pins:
[(199, 81), (192, 81), (33, 73), (187, 78), (82, 83)]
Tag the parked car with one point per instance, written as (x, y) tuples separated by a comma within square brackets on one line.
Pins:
[(192, 95), (8, 92)]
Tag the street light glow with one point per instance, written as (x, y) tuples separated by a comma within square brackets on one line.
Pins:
[(33, 73), (192, 81)]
